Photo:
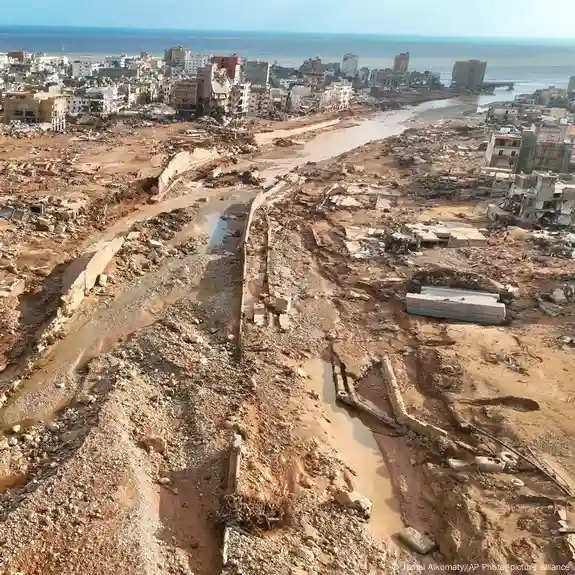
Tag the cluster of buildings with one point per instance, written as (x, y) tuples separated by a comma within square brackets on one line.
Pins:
[(534, 142), (46, 91)]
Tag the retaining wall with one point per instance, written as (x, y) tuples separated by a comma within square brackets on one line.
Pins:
[(180, 163)]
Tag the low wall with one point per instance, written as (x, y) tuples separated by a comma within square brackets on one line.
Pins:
[(399, 409), (260, 198), (86, 279), (180, 163)]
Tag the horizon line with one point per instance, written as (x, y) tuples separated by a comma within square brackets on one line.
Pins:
[(292, 32)]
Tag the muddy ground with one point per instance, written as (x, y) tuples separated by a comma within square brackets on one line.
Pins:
[(115, 448)]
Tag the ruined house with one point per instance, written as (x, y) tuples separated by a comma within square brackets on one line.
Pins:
[(542, 198)]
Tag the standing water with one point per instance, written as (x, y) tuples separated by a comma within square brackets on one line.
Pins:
[(356, 446)]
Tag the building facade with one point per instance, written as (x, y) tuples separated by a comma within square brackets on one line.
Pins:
[(257, 73), (83, 68), (231, 65), (36, 108), (503, 150), (185, 97), (176, 57), (401, 63), (468, 75), (350, 66), (239, 100), (97, 101), (196, 62)]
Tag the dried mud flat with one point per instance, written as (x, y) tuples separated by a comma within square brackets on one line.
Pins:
[(128, 467)]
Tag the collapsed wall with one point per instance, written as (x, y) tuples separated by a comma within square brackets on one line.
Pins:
[(180, 163), (96, 264)]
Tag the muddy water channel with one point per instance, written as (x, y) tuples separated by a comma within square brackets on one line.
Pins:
[(138, 304), (379, 126)]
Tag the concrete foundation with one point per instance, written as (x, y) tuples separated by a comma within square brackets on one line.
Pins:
[(470, 308)]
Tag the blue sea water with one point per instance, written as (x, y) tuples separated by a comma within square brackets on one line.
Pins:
[(534, 63)]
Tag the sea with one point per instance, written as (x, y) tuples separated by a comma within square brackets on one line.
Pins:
[(530, 63)]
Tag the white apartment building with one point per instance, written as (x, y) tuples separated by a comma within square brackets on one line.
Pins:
[(195, 62), (101, 101), (83, 68), (350, 66), (336, 96)]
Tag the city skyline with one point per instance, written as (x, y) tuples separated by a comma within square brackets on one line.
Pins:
[(451, 18)]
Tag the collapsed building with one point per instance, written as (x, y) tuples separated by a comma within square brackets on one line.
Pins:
[(542, 198)]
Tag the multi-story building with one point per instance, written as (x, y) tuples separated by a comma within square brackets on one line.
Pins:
[(97, 101), (401, 63), (18, 55), (257, 72), (503, 150), (83, 68), (468, 75), (571, 87), (313, 72), (36, 108), (185, 96), (386, 79), (260, 101), (279, 98), (545, 149), (239, 100), (297, 99), (176, 57), (165, 91), (349, 66), (503, 114), (542, 197), (231, 65), (196, 62)]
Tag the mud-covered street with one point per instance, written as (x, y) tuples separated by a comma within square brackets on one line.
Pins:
[(203, 363)]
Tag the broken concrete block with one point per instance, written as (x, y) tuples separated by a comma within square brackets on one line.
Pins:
[(558, 296), (285, 322), (458, 464), (260, 314), (102, 280), (44, 224), (416, 541), (282, 304), (353, 500), (489, 464), (133, 236)]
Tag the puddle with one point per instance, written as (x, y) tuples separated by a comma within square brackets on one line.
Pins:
[(358, 449), (215, 228)]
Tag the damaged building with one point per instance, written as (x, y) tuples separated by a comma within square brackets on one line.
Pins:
[(541, 198)]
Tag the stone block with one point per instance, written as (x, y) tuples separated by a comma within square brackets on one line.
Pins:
[(416, 541)]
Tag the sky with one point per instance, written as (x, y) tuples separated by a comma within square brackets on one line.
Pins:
[(460, 18)]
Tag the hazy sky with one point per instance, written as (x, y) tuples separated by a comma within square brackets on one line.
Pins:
[(501, 18)]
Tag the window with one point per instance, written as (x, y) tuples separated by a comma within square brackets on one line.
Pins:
[(513, 153), (500, 153)]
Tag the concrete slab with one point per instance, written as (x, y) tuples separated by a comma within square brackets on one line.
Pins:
[(474, 309)]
